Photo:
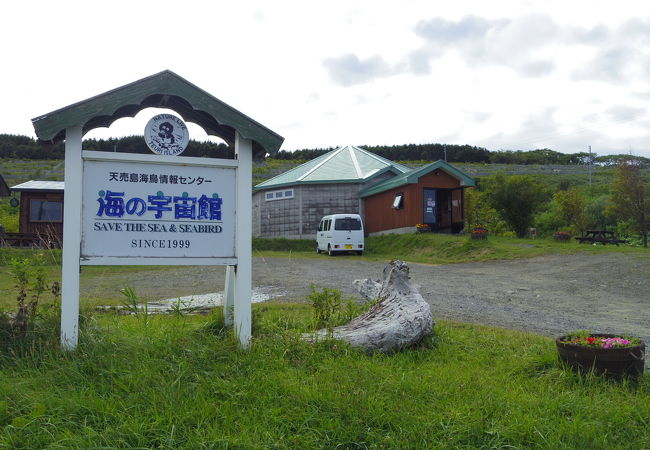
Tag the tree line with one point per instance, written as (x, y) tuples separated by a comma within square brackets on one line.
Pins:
[(25, 147), (471, 154)]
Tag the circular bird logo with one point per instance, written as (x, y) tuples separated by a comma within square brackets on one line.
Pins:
[(166, 134)]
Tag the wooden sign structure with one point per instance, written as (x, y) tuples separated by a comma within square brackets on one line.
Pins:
[(123, 209)]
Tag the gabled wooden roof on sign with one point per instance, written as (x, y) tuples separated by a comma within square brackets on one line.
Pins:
[(162, 90)]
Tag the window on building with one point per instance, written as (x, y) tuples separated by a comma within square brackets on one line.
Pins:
[(398, 201), (278, 195), (45, 211)]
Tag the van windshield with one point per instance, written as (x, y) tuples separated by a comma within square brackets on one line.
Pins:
[(347, 223)]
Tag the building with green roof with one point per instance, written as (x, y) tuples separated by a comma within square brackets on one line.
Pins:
[(292, 203), (390, 197), (433, 195)]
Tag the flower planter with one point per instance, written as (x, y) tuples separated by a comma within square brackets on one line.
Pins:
[(562, 237), (480, 235), (612, 362)]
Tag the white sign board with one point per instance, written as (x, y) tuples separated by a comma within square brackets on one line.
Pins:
[(148, 210)]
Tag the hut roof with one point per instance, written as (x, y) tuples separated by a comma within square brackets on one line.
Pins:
[(42, 186), (412, 177)]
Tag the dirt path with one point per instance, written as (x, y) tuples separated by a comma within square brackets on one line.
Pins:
[(546, 295)]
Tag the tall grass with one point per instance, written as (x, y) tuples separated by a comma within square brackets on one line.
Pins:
[(39, 257), (183, 382)]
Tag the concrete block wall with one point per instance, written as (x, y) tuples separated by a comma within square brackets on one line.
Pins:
[(298, 217)]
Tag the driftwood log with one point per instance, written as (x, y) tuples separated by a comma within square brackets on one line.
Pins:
[(398, 319)]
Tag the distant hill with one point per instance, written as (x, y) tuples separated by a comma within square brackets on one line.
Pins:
[(24, 147), (23, 158)]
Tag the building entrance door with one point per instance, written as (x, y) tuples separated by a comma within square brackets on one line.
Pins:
[(430, 207), (437, 208)]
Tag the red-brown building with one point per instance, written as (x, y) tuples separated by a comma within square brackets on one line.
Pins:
[(432, 195), (41, 213)]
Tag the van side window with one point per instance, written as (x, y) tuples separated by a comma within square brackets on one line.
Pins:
[(328, 224)]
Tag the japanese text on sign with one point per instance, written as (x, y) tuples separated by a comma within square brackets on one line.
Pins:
[(113, 204)]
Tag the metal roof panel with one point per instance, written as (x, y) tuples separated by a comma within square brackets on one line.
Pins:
[(35, 185), (345, 164)]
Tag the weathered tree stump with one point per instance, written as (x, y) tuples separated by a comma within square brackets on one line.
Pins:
[(400, 317), (369, 289)]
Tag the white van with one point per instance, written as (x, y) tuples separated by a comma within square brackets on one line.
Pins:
[(340, 233)]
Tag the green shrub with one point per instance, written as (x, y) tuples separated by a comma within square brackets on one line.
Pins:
[(9, 216), (330, 308), (38, 256), (31, 323)]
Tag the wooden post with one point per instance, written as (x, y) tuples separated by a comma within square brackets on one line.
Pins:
[(229, 296), (243, 245), (71, 239)]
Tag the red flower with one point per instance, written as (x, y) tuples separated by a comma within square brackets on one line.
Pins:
[(591, 340)]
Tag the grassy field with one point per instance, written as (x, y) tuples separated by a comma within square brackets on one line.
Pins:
[(433, 248), (18, 171), (180, 381)]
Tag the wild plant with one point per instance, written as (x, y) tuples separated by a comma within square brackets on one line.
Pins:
[(22, 270), (177, 307), (132, 304), (330, 308), (181, 308)]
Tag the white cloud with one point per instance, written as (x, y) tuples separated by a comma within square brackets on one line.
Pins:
[(626, 113), (507, 74), (442, 31), (348, 69)]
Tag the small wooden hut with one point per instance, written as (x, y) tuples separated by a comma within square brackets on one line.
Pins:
[(431, 195), (41, 215)]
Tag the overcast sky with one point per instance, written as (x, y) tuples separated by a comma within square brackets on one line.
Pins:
[(497, 74)]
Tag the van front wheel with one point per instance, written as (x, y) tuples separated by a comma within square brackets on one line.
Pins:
[(317, 249), (330, 251)]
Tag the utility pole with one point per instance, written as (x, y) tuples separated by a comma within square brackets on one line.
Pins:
[(445, 147), (591, 160)]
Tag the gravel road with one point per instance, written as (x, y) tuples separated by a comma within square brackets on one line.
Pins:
[(546, 295)]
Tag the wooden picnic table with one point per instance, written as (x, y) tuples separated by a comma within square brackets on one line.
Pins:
[(600, 237)]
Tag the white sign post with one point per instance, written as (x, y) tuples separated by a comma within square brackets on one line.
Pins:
[(132, 209)]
